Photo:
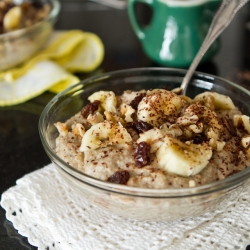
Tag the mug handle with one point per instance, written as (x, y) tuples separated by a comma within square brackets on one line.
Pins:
[(131, 13)]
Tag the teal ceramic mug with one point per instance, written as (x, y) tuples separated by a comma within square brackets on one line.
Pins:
[(176, 30)]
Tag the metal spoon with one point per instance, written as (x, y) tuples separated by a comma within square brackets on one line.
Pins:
[(221, 20)]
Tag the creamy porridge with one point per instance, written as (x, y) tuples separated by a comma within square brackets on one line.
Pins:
[(24, 28), (17, 16), (156, 138)]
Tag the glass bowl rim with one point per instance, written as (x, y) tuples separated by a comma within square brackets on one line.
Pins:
[(15, 34), (228, 183)]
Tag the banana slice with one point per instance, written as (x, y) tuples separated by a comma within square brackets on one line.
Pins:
[(107, 99), (95, 118), (152, 137), (103, 134), (242, 121), (158, 105), (12, 18), (220, 101), (179, 158), (62, 128), (78, 129), (127, 111), (245, 141)]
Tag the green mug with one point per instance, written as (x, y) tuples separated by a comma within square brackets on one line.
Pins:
[(176, 30)]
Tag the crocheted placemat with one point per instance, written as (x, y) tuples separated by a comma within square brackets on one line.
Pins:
[(51, 215)]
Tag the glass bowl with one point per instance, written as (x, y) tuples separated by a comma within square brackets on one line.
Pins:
[(133, 202), (19, 45)]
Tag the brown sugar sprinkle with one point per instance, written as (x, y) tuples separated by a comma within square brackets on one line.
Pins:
[(229, 125), (142, 154), (134, 103), (119, 177), (90, 108)]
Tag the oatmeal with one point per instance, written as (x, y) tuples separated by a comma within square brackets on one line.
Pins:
[(13, 16), (156, 138), (22, 29)]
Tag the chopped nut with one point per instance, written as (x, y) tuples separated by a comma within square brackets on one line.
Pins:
[(78, 129), (173, 130), (90, 108), (192, 183), (187, 133), (62, 128), (113, 118), (217, 145), (220, 145), (212, 134), (197, 128), (208, 117), (187, 120), (242, 121), (127, 111), (245, 141), (95, 118)]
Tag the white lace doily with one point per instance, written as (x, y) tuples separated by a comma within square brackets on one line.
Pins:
[(52, 216)]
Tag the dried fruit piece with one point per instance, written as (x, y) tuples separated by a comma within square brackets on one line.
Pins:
[(199, 138), (152, 137), (140, 126), (119, 177), (134, 103), (142, 154), (90, 108)]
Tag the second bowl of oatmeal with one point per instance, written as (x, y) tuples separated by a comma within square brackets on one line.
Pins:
[(128, 143), (24, 29)]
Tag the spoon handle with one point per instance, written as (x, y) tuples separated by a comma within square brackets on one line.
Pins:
[(221, 20)]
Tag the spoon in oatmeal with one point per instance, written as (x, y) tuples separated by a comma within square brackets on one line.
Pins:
[(221, 20)]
